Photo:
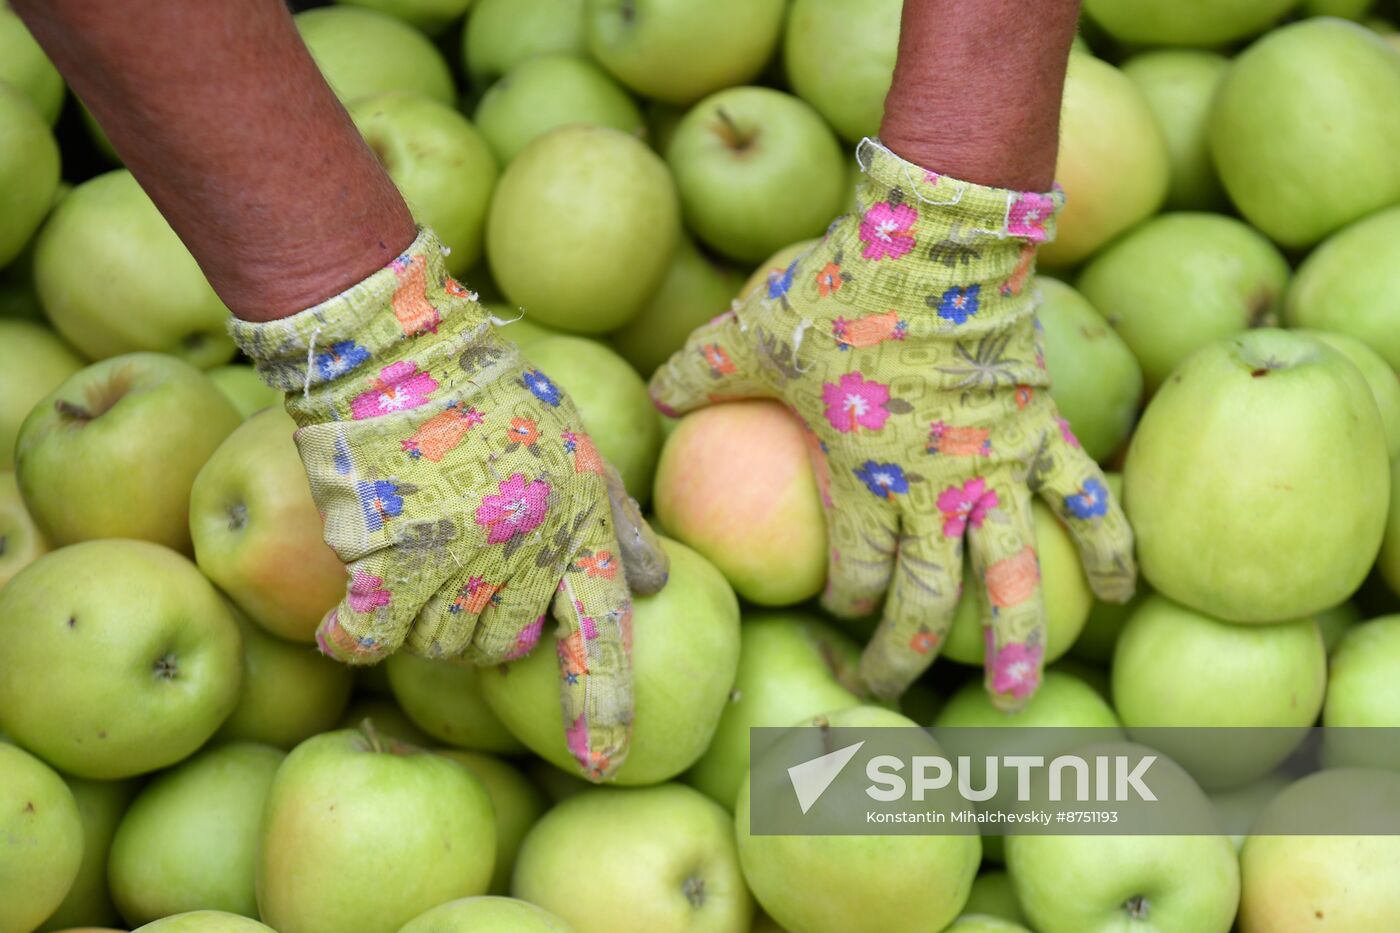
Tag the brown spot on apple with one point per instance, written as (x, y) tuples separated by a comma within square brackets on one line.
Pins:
[(100, 397)]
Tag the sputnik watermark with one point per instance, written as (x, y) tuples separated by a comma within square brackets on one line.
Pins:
[(1114, 778), (836, 780)]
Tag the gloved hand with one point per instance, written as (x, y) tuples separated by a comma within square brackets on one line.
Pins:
[(459, 487), (907, 342)]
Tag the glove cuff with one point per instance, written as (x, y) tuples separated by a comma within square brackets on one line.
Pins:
[(411, 296), (975, 210)]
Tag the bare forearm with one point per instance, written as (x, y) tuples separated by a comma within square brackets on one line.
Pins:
[(977, 87), (222, 116)]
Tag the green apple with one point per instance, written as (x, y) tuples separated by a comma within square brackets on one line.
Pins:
[(1184, 22), (244, 387), (25, 67), (1334, 623), (734, 482), (516, 803), (1385, 387), (1113, 161), (410, 830), (290, 691), (429, 16), (612, 401), (756, 169), (1256, 482), (666, 852), (1388, 563), (695, 289), (487, 915), (792, 666), (860, 882), (119, 658), (363, 52), (1105, 884), (582, 228), (257, 532), (1294, 183), (993, 895), (1176, 667), (839, 56), (29, 171), (21, 541), (88, 902), (1361, 692), (113, 451), (1062, 701), (205, 921), (678, 51), (685, 652), (1293, 882), (441, 164), (549, 91), (501, 34), (444, 699), (1095, 380), (1350, 285), (162, 862), (1181, 281), (41, 840), (386, 718), (111, 230), (1063, 584), (1179, 84)]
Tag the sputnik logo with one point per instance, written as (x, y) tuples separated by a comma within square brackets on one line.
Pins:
[(811, 778)]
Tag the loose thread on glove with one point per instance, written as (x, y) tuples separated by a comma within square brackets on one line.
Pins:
[(798, 333), (310, 359)]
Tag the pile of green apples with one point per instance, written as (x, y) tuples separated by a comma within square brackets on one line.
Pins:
[(1221, 316)]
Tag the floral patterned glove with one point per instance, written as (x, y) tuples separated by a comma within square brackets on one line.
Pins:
[(906, 340), (459, 487)]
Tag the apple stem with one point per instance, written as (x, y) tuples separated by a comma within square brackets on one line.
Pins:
[(828, 742), (72, 410), (371, 735), (1136, 906), (730, 132)]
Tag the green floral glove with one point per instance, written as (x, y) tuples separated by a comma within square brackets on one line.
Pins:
[(907, 342), (461, 490)]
